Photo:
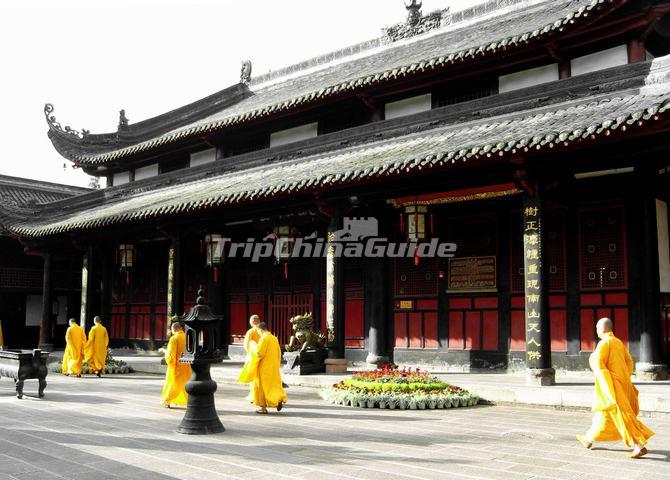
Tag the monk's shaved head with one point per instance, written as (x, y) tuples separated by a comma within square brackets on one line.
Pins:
[(605, 324)]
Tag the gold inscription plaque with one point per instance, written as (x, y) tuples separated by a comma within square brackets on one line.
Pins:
[(472, 274)]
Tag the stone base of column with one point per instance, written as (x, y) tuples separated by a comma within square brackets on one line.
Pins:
[(377, 360), (336, 365), (650, 372), (541, 377), (46, 347)]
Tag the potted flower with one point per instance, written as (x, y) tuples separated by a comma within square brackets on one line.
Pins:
[(413, 403), (393, 401), (362, 400), (432, 401), (403, 401), (383, 400), (421, 401), (372, 400)]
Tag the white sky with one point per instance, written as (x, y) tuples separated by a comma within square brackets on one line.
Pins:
[(92, 58)]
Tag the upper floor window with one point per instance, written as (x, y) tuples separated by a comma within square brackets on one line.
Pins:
[(612, 57), (295, 134), (464, 91), (201, 158), (408, 106), (528, 78)]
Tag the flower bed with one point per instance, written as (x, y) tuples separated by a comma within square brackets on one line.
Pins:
[(112, 366), (393, 388)]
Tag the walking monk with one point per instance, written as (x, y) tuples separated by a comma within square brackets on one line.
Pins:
[(73, 359), (263, 372), (251, 339), (177, 374), (96, 348), (252, 334), (615, 404)]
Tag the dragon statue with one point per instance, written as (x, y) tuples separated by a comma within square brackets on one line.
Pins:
[(304, 334)]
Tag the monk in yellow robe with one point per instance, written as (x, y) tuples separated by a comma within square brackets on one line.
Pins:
[(251, 339), (2, 340), (252, 334), (73, 359), (616, 399), (263, 372), (174, 391), (96, 348)]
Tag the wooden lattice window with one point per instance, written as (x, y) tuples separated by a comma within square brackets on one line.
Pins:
[(465, 91), (602, 249), (416, 280)]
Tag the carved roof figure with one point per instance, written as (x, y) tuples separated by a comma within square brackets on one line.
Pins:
[(245, 74), (414, 12), (123, 120)]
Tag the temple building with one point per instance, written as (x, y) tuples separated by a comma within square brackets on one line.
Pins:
[(532, 136)]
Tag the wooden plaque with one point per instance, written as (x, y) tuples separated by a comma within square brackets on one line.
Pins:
[(472, 274)]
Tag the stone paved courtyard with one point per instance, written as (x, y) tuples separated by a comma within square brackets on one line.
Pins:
[(115, 428)]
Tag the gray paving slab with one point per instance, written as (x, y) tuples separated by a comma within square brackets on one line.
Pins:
[(117, 429)]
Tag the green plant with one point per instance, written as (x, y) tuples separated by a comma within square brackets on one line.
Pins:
[(390, 387)]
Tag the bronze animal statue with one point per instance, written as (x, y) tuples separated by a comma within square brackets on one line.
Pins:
[(304, 334)]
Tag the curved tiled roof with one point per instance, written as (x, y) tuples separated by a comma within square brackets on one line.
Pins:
[(431, 51), (585, 119)]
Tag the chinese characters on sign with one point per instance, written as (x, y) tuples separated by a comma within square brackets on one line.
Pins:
[(472, 274), (532, 247)]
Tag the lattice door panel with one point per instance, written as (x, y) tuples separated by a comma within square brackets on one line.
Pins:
[(602, 249)]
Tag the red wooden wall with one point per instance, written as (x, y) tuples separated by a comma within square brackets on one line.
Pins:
[(415, 304), (602, 272), (139, 300), (473, 322)]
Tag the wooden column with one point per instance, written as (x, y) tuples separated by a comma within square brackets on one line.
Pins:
[(376, 311), (106, 287), (650, 363), (564, 69), (504, 266), (334, 290), (572, 265), (86, 287), (216, 291), (538, 346), (175, 288), (46, 338), (637, 51)]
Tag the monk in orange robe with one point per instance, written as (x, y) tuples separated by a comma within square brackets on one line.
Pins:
[(616, 404), (262, 371), (96, 348), (73, 359), (174, 391), (251, 339)]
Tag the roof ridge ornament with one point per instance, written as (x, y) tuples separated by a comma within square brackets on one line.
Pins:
[(55, 125), (416, 23), (245, 73), (123, 121), (414, 13)]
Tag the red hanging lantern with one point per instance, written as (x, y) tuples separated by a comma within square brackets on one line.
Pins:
[(215, 249), (284, 243), (126, 258), (416, 221)]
